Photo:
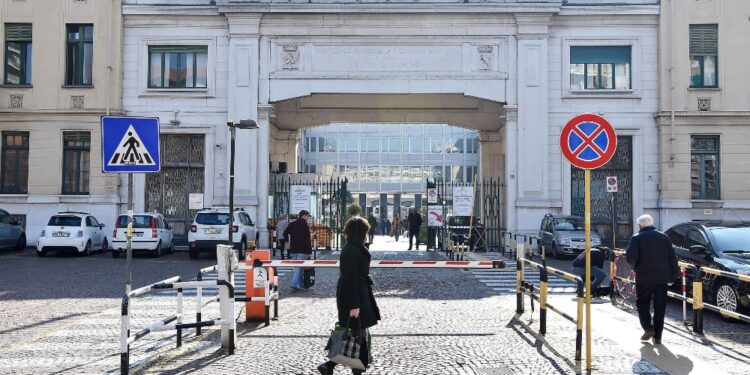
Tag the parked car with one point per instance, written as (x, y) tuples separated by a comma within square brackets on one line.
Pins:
[(151, 233), (565, 235), (210, 229), (11, 233), (72, 231), (723, 245)]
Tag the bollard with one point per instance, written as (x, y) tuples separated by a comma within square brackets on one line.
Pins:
[(684, 295), (199, 303), (178, 321), (543, 278), (579, 322), (226, 259), (698, 304), (519, 294), (125, 335)]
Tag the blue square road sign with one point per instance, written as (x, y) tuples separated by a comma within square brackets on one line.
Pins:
[(130, 144)]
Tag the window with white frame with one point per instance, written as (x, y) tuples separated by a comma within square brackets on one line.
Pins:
[(177, 67), (600, 68)]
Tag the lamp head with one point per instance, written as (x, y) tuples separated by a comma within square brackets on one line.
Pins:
[(246, 124)]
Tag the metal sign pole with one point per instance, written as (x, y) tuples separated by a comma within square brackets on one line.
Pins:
[(129, 235), (587, 221)]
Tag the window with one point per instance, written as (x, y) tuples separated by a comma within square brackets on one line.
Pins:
[(704, 167), (703, 55), (471, 173), (695, 237), (76, 162), (80, 53), (472, 145), (17, 53), (677, 236), (15, 163), (182, 67), (600, 68)]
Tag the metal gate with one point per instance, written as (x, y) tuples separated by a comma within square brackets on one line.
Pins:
[(182, 173), (603, 204), (328, 202), (488, 220)]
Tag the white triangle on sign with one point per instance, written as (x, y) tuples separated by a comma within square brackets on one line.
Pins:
[(131, 151)]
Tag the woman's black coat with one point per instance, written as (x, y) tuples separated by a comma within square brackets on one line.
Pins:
[(354, 289)]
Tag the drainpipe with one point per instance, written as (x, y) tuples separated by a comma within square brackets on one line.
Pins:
[(671, 86), (108, 86)]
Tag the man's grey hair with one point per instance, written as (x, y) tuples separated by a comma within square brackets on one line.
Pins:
[(645, 220)]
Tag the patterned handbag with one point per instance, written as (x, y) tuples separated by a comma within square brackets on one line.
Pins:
[(346, 349)]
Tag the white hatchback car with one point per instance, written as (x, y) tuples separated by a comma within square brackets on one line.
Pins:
[(210, 229), (151, 233), (72, 231)]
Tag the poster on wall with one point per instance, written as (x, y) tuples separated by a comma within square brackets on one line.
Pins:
[(299, 198), (195, 201), (435, 217), (432, 195), (462, 200)]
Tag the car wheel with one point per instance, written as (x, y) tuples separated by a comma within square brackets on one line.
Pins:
[(243, 247), (41, 253), (105, 245), (726, 297), (115, 253), (157, 251), (21, 244), (555, 253), (194, 253), (87, 249)]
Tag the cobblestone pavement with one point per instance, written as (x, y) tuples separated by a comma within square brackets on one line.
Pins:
[(63, 317)]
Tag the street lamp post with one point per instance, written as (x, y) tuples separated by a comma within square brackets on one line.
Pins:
[(242, 124)]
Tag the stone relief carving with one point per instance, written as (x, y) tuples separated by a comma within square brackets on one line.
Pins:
[(290, 57), (16, 101), (486, 57)]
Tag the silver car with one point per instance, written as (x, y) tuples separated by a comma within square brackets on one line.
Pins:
[(11, 233), (565, 235)]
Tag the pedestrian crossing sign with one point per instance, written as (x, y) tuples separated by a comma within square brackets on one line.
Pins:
[(130, 144)]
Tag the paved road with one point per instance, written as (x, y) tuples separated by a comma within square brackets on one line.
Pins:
[(61, 314)]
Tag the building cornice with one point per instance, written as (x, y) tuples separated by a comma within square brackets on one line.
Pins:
[(389, 8)]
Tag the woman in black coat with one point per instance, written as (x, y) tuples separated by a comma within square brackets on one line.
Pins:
[(354, 298)]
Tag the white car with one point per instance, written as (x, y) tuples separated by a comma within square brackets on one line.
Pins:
[(210, 229), (72, 231), (151, 233)]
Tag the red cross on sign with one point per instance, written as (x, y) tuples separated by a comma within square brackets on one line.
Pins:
[(588, 141)]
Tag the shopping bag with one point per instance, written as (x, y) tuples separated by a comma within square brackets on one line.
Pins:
[(308, 277), (345, 349)]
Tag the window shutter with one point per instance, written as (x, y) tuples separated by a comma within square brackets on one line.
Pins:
[(704, 39), (600, 55), (18, 32)]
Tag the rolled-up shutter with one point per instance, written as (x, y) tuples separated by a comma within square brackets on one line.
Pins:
[(704, 39), (18, 32)]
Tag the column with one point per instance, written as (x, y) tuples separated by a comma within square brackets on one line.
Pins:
[(265, 112), (363, 203), (510, 116), (532, 130)]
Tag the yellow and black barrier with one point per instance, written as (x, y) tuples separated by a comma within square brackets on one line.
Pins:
[(696, 301), (523, 287)]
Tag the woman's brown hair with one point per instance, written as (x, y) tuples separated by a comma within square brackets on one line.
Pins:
[(355, 230)]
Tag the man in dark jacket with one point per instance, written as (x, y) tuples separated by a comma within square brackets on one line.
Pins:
[(652, 257), (373, 223), (414, 220), (297, 233), (597, 269)]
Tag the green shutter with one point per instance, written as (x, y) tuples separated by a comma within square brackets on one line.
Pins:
[(600, 54), (704, 39), (18, 32)]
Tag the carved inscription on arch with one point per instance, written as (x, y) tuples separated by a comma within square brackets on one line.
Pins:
[(402, 58)]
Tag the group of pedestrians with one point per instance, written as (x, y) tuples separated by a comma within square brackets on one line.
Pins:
[(396, 228)]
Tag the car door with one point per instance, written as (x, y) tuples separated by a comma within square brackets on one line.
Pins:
[(95, 232), (696, 237), (548, 235), (165, 232), (5, 229)]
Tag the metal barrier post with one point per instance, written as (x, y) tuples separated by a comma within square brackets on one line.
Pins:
[(543, 278), (579, 321), (684, 295), (519, 294), (698, 302), (199, 303), (125, 336), (226, 260), (612, 289), (179, 317)]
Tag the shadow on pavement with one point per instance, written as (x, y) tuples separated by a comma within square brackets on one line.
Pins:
[(665, 359), (517, 325)]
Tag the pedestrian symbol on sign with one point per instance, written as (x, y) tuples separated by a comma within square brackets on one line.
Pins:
[(131, 151)]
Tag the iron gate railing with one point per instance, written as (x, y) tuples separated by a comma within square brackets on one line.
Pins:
[(328, 202)]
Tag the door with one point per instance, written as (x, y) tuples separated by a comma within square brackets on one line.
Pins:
[(546, 234), (608, 210), (182, 173), (5, 229), (96, 233)]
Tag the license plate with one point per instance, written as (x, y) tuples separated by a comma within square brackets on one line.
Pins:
[(212, 230), (60, 234), (137, 234)]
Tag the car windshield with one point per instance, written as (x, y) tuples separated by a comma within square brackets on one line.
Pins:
[(568, 224), (65, 221), (732, 240), (212, 218), (139, 221)]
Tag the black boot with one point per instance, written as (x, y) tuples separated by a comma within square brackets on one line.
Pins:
[(326, 368), (357, 372)]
